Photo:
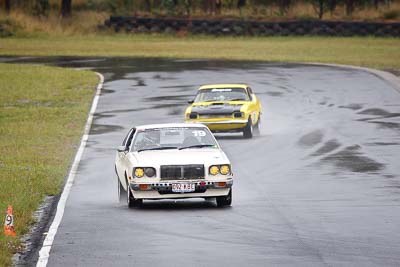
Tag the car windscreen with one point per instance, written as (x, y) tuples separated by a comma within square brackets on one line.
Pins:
[(173, 138), (221, 94)]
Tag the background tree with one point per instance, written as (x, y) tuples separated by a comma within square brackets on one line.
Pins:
[(147, 5), (218, 6), (7, 5), (209, 6), (65, 8), (41, 7), (284, 6), (349, 7), (320, 7), (332, 5), (376, 3), (240, 5)]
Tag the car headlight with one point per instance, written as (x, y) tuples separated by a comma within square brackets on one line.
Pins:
[(214, 170), (222, 169), (225, 169), (238, 114), (193, 115), (138, 172), (150, 172)]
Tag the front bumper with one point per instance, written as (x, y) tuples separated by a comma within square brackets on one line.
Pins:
[(222, 125), (163, 189), (222, 122)]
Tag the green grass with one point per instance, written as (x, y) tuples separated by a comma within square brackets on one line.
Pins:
[(369, 52), (42, 115)]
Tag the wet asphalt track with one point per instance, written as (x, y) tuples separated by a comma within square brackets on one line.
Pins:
[(320, 187)]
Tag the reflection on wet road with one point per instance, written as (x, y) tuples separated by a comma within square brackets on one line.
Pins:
[(321, 186)]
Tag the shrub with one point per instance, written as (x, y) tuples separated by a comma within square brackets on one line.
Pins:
[(391, 14)]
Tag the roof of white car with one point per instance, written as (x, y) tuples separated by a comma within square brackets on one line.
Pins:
[(169, 125)]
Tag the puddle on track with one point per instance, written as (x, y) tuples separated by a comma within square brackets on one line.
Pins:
[(351, 159), (328, 147), (311, 139), (104, 128), (352, 106)]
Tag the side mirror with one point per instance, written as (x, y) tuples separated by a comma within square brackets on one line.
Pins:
[(191, 102), (121, 149)]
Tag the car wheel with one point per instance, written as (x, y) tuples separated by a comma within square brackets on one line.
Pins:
[(132, 202), (121, 190), (257, 128), (225, 200), (248, 130)]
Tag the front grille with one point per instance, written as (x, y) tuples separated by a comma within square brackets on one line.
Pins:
[(182, 172), (210, 116)]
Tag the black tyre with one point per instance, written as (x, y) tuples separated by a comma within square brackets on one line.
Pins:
[(248, 130), (131, 201), (257, 128), (121, 191), (225, 200)]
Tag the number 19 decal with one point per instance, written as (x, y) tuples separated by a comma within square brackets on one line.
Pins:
[(199, 133)]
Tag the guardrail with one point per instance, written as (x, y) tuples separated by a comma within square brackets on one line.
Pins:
[(255, 28)]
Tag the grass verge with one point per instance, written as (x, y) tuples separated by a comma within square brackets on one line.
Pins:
[(42, 115), (381, 53)]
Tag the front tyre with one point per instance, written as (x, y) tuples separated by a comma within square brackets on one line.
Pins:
[(248, 130), (257, 128), (225, 200), (121, 191), (132, 202)]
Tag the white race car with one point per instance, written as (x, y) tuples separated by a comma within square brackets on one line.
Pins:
[(170, 161)]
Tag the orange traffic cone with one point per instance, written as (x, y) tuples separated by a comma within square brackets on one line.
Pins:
[(9, 223)]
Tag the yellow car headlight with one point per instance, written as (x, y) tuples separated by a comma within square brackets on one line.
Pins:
[(225, 169), (238, 114), (192, 115), (214, 170), (139, 172)]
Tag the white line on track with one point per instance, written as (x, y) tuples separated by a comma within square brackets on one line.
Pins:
[(44, 252)]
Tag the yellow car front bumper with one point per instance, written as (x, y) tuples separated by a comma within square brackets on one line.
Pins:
[(220, 125)]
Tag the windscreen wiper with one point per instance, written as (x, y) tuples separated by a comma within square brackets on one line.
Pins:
[(195, 146), (158, 148)]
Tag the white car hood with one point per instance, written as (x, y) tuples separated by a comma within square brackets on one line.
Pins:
[(178, 157)]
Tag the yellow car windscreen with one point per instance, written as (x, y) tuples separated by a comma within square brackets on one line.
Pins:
[(222, 94)]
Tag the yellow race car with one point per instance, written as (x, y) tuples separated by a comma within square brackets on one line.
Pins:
[(226, 108)]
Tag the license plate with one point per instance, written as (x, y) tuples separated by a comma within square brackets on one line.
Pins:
[(183, 188)]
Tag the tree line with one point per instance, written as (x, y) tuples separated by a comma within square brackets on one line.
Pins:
[(40, 7)]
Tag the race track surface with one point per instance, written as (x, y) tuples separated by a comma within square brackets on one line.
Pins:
[(319, 187)]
